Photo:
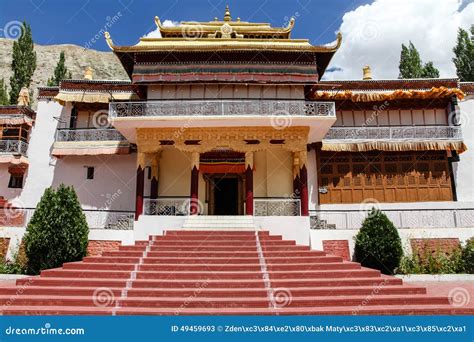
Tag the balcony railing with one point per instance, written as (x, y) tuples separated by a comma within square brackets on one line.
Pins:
[(88, 134), (394, 133), (13, 147), (276, 207), (222, 108), (167, 206), (401, 218)]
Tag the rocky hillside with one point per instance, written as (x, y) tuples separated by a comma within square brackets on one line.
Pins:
[(105, 64)]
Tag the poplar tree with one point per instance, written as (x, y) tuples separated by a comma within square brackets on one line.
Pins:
[(23, 62), (3, 93), (411, 65), (60, 72), (464, 55)]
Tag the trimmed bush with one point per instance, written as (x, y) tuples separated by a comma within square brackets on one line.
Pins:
[(377, 244), (57, 232)]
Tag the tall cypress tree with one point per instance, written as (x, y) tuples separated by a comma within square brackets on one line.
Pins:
[(464, 55), (60, 72), (3, 93), (23, 62), (411, 65)]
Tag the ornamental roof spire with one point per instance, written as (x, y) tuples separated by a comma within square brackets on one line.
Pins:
[(227, 16)]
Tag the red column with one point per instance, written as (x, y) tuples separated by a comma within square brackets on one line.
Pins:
[(249, 191), (194, 191), (154, 188), (296, 187), (304, 191), (139, 192)]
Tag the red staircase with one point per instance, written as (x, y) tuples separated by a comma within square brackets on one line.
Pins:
[(217, 273)]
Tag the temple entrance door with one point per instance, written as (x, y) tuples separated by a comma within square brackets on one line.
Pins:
[(225, 197)]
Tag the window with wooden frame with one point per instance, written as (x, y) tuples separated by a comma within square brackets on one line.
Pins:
[(346, 177)]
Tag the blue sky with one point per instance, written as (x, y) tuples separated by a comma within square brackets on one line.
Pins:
[(78, 21)]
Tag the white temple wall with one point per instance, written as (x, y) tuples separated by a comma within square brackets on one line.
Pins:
[(39, 175), (464, 169), (224, 91), (113, 186), (391, 117)]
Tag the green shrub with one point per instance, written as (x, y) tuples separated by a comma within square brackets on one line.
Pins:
[(377, 244), (468, 256), (57, 232), (15, 266), (426, 261)]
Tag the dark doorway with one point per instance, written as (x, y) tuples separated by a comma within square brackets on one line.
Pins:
[(226, 196)]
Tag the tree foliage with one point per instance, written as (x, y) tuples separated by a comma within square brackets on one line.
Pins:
[(411, 65), (4, 100), (23, 62), (57, 232), (377, 244), (60, 72), (464, 55)]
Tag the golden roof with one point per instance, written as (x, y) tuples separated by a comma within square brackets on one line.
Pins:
[(223, 35)]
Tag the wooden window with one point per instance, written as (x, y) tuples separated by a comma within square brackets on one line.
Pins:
[(384, 176), (16, 182)]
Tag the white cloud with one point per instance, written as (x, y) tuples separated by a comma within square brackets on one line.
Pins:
[(156, 32), (373, 34)]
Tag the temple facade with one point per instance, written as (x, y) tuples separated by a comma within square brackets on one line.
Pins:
[(231, 119)]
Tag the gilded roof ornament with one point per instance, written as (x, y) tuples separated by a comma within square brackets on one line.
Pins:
[(109, 41), (227, 16)]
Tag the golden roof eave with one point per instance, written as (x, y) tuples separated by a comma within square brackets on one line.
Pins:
[(217, 44), (238, 26)]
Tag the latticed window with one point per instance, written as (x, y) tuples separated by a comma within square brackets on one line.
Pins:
[(384, 177)]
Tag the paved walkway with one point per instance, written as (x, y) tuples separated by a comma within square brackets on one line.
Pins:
[(461, 291)]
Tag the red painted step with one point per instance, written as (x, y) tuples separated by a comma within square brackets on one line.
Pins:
[(218, 273)]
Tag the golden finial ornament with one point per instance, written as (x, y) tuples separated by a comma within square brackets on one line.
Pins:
[(227, 16), (109, 41), (88, 73), (24, 97), (367, 73)]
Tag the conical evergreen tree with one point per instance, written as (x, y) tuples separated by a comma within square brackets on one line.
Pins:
[(3, 93), (23, 62), (377, 244), (60, 72), (57, 232), (411, 65), (464, 55)]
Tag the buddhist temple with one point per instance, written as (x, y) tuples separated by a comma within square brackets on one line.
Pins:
[(229, 124)]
